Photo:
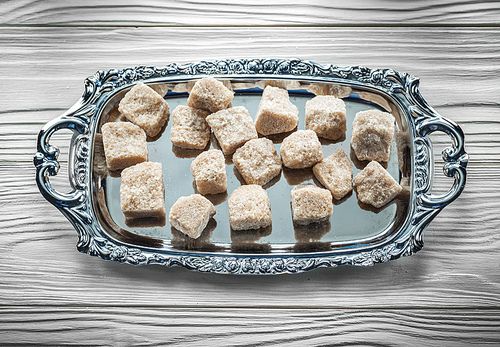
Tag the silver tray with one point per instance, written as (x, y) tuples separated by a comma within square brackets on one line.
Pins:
[(355, 235)]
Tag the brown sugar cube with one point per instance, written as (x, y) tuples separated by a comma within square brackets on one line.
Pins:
[(160, 88), (372, 134), (209, 172), (99, 167), (310, 204), (283, 84), (124, 145), (335, 173), (210, 95), (142, 193), (301, 149), (189, 128), (257, 161), (146, 108), (336, 90), (276, 114), (375, 186), (190, 214), (325, 115), (232, 127), (249, 208)]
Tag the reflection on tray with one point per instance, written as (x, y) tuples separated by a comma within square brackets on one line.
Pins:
[(268, 185), (278, 138), (308, 237), (297, 176), (100, 168), (183, 242), (361, 164), (326, 142), (338, 202), (183, 153), (179, 182), (319, 88), (245, 241), (145, 222), (215, 199)]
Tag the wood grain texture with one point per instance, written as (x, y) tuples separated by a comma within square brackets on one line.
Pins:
[(447, 294), (50, 64), (458, 265), (249, 13), (159, 326), (40, 263), (18, 140)]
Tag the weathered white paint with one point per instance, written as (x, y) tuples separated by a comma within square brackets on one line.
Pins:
[(447, 294)]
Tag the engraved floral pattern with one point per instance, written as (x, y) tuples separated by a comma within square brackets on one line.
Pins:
[(79, 162), (422, 160), (93, 240), (387, 79)]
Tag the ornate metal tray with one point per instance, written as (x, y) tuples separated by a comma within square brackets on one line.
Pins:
[(355, 235)]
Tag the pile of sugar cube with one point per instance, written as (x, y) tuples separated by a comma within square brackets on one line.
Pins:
[(209, 110)]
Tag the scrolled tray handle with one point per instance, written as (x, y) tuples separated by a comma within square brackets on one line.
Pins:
[(455, 159), (47, 164)]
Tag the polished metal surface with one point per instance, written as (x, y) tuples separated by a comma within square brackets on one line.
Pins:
[(355, 235)]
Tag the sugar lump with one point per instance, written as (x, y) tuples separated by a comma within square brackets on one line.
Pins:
[(376, 186), (124, 145), (257, 161), (189, 128), (372, 135), (232, 127), (335, 173), (301, 149), (326, 116), (209, 172), (146, 108), (276, 114), (191, 214), (142, 193), (310, 204), (249, 208), (210, 94)]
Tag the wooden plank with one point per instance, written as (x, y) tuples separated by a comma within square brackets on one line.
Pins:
[(458, 265), (155, 326), (56, 79), (18, 144), (457, 268), (259, 12), (447, 294), (458, 68)]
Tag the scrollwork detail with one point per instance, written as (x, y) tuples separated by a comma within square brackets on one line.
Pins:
[(80, 162), (422, 159), (387, 79), (94, 241)]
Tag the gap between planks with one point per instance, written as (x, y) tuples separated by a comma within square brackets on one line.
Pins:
[(262, 307), (334, 25)]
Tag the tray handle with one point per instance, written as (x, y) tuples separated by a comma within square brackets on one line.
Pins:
[(46, 162), (455, 159)]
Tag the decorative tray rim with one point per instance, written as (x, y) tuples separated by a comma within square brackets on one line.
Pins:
[(403, 88)]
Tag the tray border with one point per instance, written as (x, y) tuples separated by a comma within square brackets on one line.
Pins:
[(401, 87)]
